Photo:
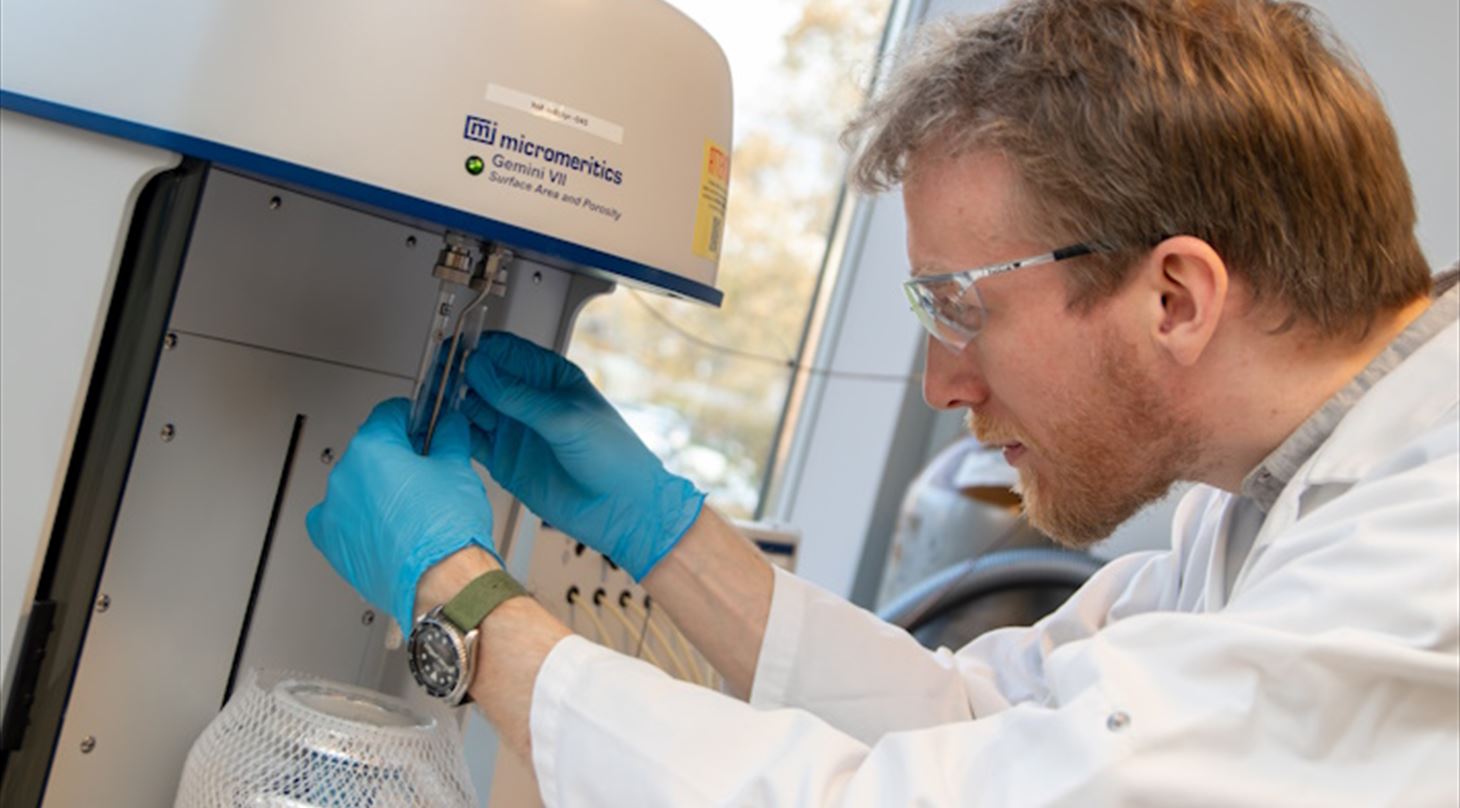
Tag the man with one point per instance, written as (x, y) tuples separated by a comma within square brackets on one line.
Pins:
[(1193, 252)]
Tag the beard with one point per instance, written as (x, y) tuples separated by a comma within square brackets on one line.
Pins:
[(1117, 446)]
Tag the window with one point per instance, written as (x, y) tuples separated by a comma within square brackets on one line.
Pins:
[(706, 389)]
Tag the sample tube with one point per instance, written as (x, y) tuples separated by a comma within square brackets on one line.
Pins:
[(455, 352), (439, 383), (433, 358)]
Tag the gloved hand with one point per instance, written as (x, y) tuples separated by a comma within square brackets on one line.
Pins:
[(549, 437), (390, 514)]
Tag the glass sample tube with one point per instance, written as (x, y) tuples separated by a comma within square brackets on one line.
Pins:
[(443, 367), (433, 357), (473, 320)]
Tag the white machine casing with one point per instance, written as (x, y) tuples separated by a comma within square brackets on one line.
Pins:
[(300, 164), (380, 102)]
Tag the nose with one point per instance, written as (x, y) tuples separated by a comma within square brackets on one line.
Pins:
[(952, 379)]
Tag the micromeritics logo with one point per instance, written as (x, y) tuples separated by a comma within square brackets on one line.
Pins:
[(480, 130), (483, 130)]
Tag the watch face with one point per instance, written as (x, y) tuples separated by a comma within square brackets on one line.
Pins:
[(435, 657)]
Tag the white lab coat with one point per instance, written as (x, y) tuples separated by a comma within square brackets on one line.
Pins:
[(1330, 677)]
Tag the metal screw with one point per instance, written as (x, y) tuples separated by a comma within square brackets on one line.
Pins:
[(87, 744), (537, 277), (1117, 721), (170, 341), (327, 456), (167, 432), (410, 241), (275, 202), (103, 603), (368, 617)]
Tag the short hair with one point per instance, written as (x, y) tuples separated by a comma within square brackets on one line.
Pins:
[(1242, 122)]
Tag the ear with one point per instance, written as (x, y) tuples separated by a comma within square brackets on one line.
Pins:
[(1188, 283)]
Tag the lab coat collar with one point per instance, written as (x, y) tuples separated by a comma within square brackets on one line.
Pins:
[(1264, 484), (1399, 408)]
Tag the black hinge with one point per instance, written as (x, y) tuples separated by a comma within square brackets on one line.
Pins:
[(29, 655)]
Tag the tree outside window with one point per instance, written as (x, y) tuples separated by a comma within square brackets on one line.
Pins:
[(706, 388)]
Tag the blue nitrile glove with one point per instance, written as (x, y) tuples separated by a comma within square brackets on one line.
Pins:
[(390, 514), (549, 437)]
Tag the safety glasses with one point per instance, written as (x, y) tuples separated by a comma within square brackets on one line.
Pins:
[(948, 305)]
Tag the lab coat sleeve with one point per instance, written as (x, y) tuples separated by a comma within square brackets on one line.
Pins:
[(1158, 710), (609, 730), (1329, 679), (817, 646)]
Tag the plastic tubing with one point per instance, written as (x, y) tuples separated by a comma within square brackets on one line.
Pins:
[(648, 652), (685, 671), (593, 619)]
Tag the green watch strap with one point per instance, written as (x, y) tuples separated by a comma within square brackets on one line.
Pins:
[(472, 604)]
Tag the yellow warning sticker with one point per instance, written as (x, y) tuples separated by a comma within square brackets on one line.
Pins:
[(714, 191)]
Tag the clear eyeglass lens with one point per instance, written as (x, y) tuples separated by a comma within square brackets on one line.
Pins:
[(949, 311), (955, 307)]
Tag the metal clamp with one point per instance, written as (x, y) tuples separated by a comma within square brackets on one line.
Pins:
[(453, 263)]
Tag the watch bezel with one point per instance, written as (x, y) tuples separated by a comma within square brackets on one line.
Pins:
[(462, 643)]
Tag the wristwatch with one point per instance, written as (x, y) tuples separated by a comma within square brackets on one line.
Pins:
[(442, 649)]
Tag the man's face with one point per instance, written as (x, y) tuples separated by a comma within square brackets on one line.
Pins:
[(1074, 397)]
